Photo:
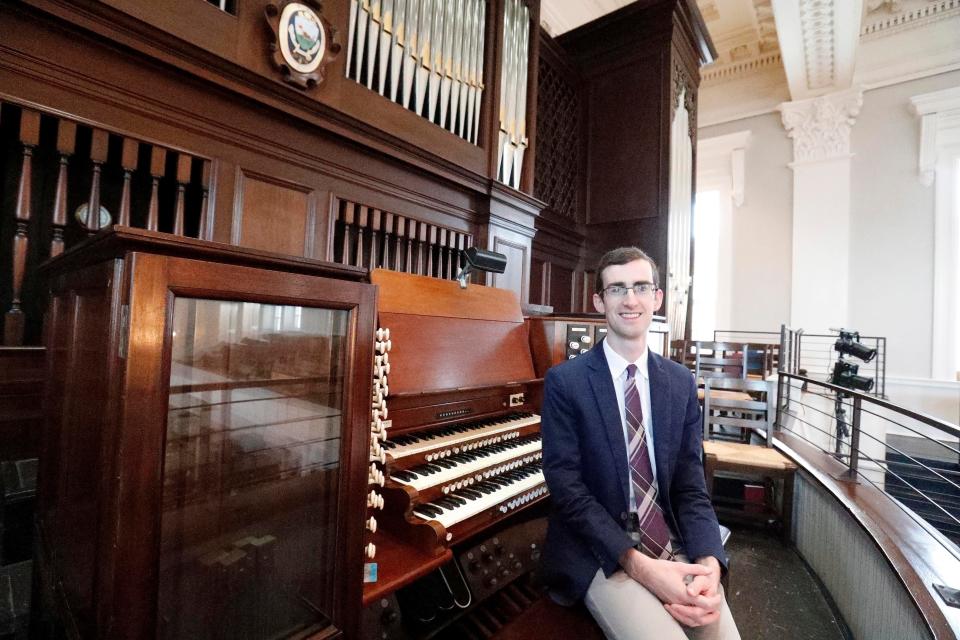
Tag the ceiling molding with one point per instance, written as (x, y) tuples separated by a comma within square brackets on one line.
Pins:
[(877, 24), (719, 72), (818, 43)]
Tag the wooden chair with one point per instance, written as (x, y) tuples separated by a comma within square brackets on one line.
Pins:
[(719, 360), (747, 407), (737, 409), (681, 351)]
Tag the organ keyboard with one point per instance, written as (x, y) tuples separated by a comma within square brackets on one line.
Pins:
[(461, 448)]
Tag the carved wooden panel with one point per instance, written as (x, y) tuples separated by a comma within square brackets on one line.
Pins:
[(517, 274), (272, 215), (625, 172), (561, 289), (559, 161)]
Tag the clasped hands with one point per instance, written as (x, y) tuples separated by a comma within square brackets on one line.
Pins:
[(693, 601)]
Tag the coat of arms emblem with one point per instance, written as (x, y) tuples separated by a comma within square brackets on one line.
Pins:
[(302, 43)]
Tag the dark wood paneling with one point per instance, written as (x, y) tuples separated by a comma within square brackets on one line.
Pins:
[(561, 289), (624, 153), (273, 216), (22, 373)]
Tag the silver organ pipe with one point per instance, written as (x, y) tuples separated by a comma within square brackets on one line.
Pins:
[(426, 55), (512, 139)]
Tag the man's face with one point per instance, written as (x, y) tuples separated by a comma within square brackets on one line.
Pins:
[(628, 316)]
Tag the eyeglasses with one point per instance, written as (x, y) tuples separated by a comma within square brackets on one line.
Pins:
[(619, 290)]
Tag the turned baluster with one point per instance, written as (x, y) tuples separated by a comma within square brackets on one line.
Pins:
[(430, 246), (98, 155), (420, 245), (411, 234), (348, 213), (158, 164), (441, 241), (387, 230), (452, 256), (183, 178), (361, 226), (461, 245), (202, 231), (66, 145), (374, 237), (128, 160), (398, 242), (13, 323)]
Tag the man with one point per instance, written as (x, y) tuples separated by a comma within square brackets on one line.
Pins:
[(622, 458)]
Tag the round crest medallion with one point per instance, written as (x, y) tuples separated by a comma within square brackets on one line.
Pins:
[(302, 39)]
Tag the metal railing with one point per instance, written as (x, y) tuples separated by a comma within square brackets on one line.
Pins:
[(813, 353), (754, 337), (912, 457)]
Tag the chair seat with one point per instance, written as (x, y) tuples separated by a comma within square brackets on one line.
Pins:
[(751, 461), (747, 455)]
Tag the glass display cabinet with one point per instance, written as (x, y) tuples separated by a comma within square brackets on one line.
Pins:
[(204, 460)]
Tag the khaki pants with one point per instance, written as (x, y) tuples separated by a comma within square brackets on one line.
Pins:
[(625, 610)]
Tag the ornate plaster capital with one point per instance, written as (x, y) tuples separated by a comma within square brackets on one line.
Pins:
[(820, 127)]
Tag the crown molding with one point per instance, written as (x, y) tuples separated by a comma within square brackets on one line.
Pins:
[(932, 11)]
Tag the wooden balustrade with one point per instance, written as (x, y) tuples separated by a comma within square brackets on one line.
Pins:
[(13, 325), (47, 220), (66, 145), (371, 238)]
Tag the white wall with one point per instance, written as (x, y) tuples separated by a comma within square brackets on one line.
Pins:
[(891, 238), (760, 233), (891, 220)]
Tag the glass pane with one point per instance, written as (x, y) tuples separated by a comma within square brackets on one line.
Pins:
[(251, 469)]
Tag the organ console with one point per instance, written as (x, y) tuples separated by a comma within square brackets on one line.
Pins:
[(455, 434)]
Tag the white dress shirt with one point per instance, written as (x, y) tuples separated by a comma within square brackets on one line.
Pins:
[(618, 371)]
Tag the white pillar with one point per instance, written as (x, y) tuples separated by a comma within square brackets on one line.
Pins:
[(820, 129)]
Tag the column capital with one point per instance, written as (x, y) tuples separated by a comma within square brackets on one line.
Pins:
[(820, 127)]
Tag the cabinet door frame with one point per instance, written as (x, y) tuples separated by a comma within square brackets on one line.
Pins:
[(152, 284)]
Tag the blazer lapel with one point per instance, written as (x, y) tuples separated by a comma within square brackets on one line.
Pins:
[(605, 395), (663, 435)]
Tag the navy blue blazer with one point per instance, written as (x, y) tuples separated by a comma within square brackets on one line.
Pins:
[(586, 469)]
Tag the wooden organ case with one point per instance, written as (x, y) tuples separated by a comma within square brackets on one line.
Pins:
[(205, 438), (455, 443)]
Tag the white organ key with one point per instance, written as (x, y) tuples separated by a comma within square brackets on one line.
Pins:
[(403, 450), (425, 481), (450, 517)]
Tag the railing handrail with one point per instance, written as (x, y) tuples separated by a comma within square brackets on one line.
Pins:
[(927, 419)]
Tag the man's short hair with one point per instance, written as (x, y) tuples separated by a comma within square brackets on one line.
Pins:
[(624, 255)]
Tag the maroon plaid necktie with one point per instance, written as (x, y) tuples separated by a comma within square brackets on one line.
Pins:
[(654, 533)]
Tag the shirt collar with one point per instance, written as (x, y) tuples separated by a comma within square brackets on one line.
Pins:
[(618, 364)]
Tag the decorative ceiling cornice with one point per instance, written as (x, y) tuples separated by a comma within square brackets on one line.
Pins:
[(882, 22), (817, 27), (719, 72), (818, 42)]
